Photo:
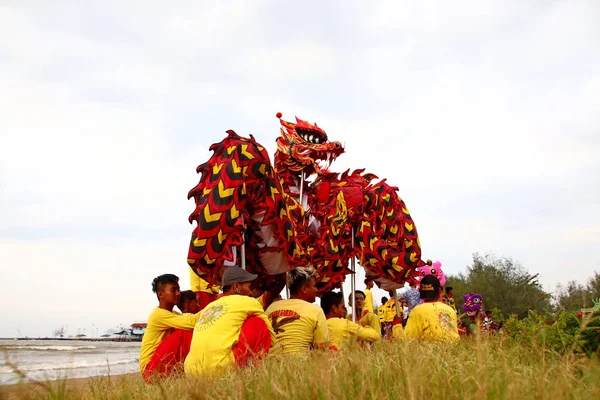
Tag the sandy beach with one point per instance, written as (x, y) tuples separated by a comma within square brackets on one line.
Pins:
[(77, 387)]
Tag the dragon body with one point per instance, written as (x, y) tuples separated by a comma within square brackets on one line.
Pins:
[(241, 193)]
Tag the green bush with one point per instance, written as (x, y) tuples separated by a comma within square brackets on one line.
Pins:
[(564, 332)]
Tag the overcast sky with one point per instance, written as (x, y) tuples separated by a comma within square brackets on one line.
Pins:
[(485, 114)]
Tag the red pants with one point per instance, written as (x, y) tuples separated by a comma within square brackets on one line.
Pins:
[(169, 356), (254, 342), (205, 298)]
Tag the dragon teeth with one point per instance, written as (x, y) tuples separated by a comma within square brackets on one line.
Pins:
[(310, 138)]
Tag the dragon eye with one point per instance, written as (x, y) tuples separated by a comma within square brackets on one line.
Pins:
[(476, 300), (433, 272)]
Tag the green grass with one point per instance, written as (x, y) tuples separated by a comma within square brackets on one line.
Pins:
[(480, 368)]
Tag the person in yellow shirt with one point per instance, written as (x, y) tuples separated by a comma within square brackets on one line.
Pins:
[(205, 293), (232, 330), (299, 325), (381, 310), (167, 338), (367, 318), (389, 315), (449, 297), (369, 304), (432, 320), (343, 332)]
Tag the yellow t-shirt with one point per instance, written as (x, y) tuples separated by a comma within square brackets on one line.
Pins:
[(298, 325), (390, 311), (161, 324), (381, 313), (261, 300), (398, 332), (342, 332), (200, 285), (452, 303), (369, 319), (369, 305), (217, 330), (434, 321)]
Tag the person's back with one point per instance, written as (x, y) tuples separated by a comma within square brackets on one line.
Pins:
[(343, 332), (390, 311), (232, 330), (432, 320), (299, 325), (381, 310), (369, 303), (217, 330)]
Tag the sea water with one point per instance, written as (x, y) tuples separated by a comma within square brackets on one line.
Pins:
[(59, 359)]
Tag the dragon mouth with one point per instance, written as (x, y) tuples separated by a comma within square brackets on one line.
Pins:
[(323, 161)]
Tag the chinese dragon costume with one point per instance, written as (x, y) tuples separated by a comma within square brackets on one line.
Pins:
[(286, 221)]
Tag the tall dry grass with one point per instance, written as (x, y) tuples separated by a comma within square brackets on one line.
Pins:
[(479, 368)]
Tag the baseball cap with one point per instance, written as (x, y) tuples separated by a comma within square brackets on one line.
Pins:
[(430, 287), (236, 274)]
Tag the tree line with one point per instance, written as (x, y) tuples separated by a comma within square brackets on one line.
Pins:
[(508, 288)]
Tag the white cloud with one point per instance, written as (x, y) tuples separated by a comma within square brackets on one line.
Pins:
[(485, 116)]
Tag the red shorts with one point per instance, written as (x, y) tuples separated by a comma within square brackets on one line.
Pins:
[(254, 342), (169, 356)]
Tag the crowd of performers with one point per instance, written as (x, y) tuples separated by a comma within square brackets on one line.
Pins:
[(281, 223), (236, 325)]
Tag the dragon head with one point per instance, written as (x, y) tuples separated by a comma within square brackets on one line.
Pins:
[(473, 304), (304, 147)]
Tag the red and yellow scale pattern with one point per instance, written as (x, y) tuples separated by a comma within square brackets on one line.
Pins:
[(239, 180), (386, 239), (236, 183)]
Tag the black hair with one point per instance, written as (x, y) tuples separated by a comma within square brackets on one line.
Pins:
[(360, 292), (160, 281), (430, 287), (384, 300), (329, 300), (448, 289), (184, 297)]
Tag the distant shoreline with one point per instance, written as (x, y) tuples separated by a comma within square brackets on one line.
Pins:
[(83, 339)]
